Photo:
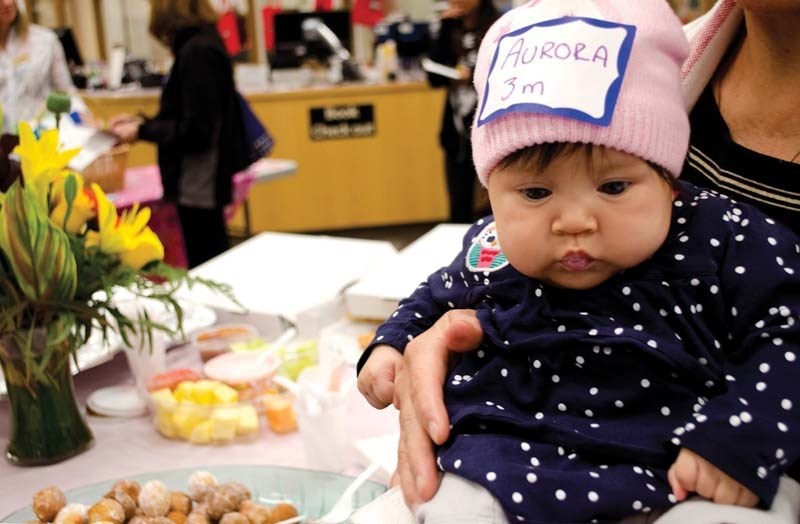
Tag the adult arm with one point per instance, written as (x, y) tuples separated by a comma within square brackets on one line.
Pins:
[(418, 395), (426, 327)]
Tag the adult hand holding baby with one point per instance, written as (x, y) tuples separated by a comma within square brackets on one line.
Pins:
[(386, 378)]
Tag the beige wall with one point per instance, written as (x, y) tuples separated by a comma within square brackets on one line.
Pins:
[(83, 22)]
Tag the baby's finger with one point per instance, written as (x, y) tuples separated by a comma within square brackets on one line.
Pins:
[(746, 498), (685, 473), (372, 390), (383, 392), (726, 492), (707, 480), (677, 488)]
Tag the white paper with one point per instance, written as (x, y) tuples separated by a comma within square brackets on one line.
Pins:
[(381, 449), (289, 274), (535, 70), (92, 142), (388, 508), (440, 69)]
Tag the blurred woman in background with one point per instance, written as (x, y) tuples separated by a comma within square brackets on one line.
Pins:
[(460, 33), (198, 128), (32, 65)]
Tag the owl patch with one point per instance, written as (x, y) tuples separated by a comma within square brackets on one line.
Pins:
[(485, 255)]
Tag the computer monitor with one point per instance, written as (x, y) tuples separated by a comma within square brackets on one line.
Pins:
[(291, 49), (71, 52)]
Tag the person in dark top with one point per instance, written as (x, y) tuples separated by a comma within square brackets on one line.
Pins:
[(742, 79), (198, 128), (632, 323), (461, 29)]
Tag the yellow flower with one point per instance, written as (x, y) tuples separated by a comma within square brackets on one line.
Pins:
[(83, 206), (126, 236), (146, 248), (41, 160)]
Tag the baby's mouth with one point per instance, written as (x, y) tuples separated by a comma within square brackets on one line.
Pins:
[(577, 261)]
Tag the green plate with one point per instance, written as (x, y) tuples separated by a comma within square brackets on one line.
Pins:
[(312, 492)]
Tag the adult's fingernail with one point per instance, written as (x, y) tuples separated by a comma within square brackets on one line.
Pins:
[(418, 482), (432, 428)]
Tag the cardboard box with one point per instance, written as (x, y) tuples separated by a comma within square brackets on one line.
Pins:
[(376, 295)]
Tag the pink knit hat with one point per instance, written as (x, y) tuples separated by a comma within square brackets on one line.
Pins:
[(603, 72)]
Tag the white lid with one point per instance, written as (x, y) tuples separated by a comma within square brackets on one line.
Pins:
[(117, 401), (242, 368)]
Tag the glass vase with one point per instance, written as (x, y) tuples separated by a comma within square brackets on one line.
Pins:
[(46, 424)]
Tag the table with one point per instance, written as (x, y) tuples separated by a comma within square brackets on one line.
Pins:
[(126, 447), (143, 185)]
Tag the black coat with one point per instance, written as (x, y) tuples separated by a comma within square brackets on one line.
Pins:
[(198, 96)]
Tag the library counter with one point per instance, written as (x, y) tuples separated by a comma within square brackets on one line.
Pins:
[(367, 155)]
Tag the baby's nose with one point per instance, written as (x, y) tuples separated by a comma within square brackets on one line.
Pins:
[(574, 220)]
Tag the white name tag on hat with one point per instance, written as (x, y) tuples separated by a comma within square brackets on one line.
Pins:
[(570, 66)]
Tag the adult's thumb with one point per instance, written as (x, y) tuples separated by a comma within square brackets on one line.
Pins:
[(463, 331)]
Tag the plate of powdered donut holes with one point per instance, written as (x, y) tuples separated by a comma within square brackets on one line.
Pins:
[(216, 494)]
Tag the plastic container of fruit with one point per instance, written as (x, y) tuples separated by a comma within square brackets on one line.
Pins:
[(205, 412), (216, 340)]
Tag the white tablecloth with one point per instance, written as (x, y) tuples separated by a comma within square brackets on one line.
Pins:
[(275, 275)]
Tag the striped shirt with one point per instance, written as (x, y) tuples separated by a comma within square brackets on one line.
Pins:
[(716, 161)]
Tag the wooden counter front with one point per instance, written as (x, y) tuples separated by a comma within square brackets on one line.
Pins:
[(395, 176)]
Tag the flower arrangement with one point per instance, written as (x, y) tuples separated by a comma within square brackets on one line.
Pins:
[(63, 250)]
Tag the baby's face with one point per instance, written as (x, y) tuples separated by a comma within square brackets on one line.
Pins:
[(574, 225)]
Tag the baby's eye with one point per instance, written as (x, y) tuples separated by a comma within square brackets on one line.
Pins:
[(614, 188), (535, 193)]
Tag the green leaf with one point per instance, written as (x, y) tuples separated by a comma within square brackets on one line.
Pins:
[(38, 251)]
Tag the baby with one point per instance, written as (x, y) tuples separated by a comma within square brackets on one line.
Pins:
[(640, 334)]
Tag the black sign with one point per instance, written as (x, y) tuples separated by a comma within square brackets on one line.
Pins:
[(330, 123)]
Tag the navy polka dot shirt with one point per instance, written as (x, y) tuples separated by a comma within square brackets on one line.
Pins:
[(577, 402)]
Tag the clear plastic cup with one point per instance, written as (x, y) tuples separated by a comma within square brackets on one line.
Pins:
[(322, 420)]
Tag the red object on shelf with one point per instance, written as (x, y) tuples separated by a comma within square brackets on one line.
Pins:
[(367, 12), (229, 31), (268, 15)]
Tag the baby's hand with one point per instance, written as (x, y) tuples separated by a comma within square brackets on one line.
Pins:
[(376, 379), (692, 473)]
